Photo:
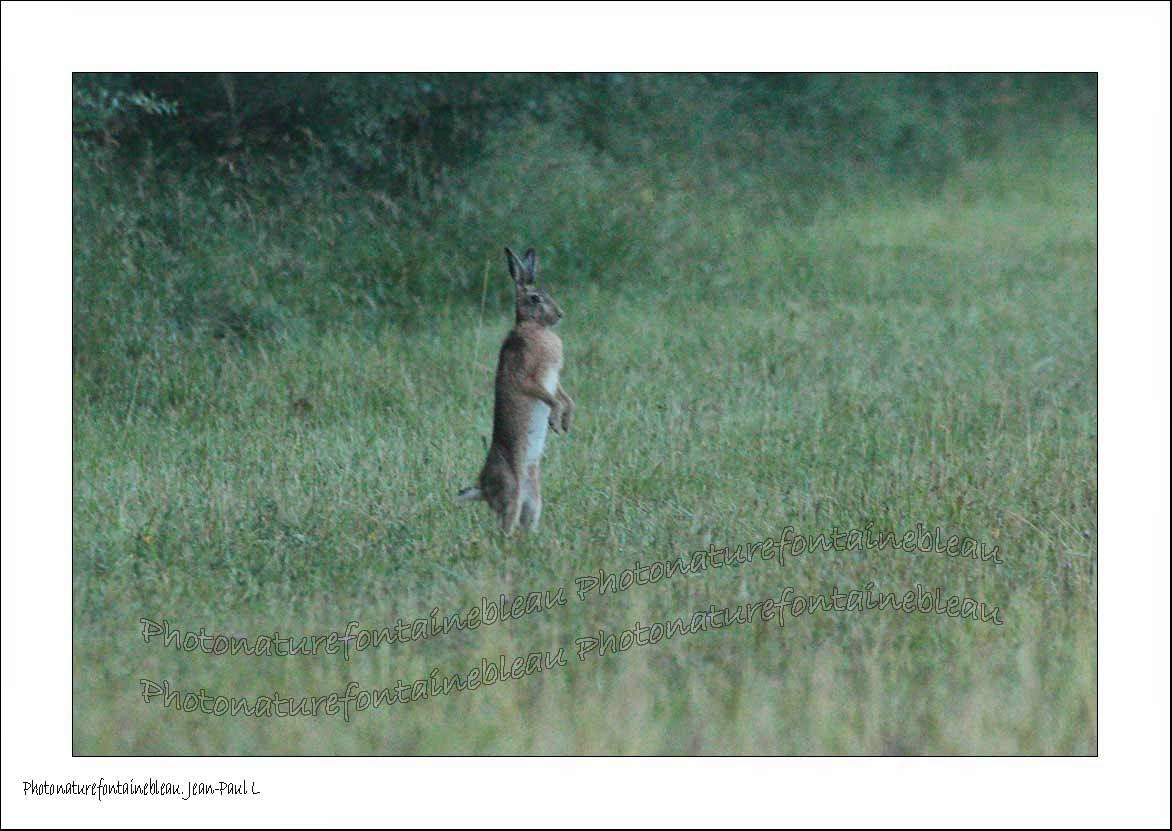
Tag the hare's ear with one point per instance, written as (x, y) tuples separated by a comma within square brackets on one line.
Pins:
[(522, 271)]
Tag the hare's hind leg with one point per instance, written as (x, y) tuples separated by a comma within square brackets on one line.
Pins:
[(531, 499), (503, 492), (511, 512)]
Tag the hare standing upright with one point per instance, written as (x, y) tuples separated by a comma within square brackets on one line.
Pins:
[(529, 401)]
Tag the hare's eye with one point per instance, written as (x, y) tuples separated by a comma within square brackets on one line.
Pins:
[(533, 298)]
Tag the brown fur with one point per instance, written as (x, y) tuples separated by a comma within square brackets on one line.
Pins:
[(530, 358)]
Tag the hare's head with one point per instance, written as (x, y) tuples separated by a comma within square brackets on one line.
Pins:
[(532, 303)]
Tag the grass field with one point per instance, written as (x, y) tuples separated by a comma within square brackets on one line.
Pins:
[(906, 358)]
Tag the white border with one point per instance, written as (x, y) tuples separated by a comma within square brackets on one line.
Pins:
[(1126, 42)]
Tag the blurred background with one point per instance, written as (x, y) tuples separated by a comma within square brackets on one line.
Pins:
[(253, 206)]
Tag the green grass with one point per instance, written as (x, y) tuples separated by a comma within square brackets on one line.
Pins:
[(899, 359)]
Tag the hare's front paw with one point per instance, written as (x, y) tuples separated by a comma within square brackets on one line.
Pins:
[(567, 415), (555, 419)]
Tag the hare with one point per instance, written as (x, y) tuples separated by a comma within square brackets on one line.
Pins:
[(529, 401)]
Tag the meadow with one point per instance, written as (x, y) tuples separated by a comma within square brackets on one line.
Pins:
[(279, 388)]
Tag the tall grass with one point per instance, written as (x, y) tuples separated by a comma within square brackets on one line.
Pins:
[(279, 386)]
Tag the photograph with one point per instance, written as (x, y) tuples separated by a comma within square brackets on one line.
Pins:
[(584, 414)]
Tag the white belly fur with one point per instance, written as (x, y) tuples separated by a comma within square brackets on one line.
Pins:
[(539, 420)]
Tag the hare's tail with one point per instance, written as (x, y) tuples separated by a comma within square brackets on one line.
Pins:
[(469, 495)]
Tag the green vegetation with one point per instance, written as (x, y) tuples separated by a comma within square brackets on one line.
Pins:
[(811, 302)]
